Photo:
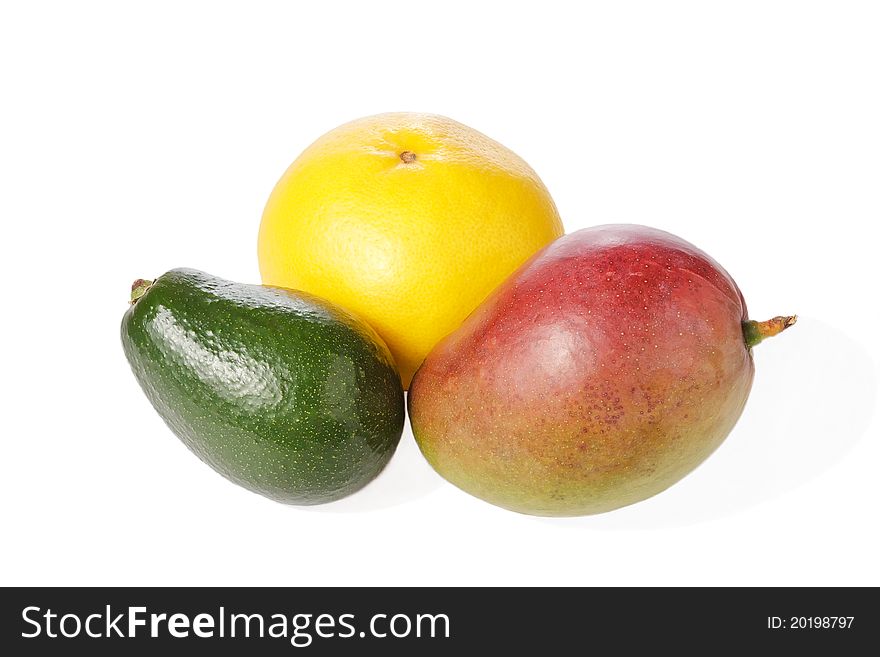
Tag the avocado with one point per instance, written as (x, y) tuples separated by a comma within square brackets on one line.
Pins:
[(279, 391)]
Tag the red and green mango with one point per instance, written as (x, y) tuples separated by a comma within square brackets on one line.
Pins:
[(600, 373)]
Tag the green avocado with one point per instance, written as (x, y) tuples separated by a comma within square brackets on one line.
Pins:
[(277, 390)]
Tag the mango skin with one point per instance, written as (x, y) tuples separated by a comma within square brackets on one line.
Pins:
[(600, 373)]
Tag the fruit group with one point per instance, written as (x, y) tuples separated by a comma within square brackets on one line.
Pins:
[(279, 391), (408, 220), (604, 370)]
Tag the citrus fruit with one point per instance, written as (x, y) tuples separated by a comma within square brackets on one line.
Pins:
[(408, 220), (599, 374)]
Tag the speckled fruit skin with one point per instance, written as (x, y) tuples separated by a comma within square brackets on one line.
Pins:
[(279, 391), (600, 373)]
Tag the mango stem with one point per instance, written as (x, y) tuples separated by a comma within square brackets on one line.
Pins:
[(755, 332), (138, 289)]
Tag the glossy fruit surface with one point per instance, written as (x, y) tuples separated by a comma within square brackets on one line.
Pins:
[(604, 370), (279, 391), (408, 220)]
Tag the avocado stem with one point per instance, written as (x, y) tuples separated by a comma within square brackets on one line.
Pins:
[(755, 332), (138, 289)]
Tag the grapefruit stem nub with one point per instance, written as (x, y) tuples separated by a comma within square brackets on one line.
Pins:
[(408, 157)]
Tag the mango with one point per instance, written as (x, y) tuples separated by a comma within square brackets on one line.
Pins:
[(600, 373)]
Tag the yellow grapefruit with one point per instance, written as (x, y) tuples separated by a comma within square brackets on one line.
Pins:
[(408, 220)]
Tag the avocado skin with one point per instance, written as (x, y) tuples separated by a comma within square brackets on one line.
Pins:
[(279, 391)]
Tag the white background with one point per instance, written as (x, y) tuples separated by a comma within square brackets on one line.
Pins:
[(137, 137)]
